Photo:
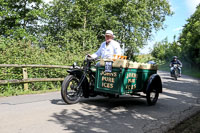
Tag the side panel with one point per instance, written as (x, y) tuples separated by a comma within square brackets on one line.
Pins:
[(136, 80), (109, 82), (122, 80)]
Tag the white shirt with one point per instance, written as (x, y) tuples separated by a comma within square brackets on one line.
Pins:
[(113, 48)]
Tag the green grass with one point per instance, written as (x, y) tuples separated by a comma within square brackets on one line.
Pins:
[(186, 71), (190, 125), (12, 90), (6, 94)]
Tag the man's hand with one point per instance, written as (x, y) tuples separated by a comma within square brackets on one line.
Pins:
[(89, 55)]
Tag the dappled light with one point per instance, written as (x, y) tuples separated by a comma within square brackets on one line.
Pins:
[(127, 112), (186, 94), (49, 112), (99, 114)]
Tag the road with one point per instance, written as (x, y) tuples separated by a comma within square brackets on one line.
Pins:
[(47, 113)]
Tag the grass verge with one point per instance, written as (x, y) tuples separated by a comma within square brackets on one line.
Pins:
[(6, 94), (186, 71), (190, 125)]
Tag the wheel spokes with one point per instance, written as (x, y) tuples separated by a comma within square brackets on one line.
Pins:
[(72, 88)]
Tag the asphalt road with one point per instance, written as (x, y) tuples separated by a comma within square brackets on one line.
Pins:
[(47, 113)]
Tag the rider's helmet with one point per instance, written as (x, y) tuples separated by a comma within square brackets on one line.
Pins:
[(174, 57)]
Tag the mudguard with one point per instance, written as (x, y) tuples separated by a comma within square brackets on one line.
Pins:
[(156, 81), (85, 85)]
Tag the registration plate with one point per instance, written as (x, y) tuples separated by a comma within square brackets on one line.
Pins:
[(108, 66)]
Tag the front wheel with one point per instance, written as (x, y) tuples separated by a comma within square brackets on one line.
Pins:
[(175, 74), (69, 91)]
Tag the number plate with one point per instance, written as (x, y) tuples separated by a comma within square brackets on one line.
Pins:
[(108, 66)]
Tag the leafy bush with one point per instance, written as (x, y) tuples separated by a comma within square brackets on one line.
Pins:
[(22, 52)]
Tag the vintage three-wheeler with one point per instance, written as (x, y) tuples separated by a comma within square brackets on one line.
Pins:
[(111, 78)]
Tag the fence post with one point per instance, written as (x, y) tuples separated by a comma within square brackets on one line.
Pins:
[(25, 76)]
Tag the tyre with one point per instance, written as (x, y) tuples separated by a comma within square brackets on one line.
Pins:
[(175, 74), (152, 94), (69, 92)]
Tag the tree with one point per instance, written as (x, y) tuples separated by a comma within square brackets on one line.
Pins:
[(134, 20), (69, 24), (160, 50), (131, 20), (190, 39), (82, 23), (164, 51), (19, 18)]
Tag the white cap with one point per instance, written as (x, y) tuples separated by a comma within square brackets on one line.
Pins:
[(109, 32)]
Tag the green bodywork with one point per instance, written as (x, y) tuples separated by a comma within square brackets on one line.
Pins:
[(122, 80)]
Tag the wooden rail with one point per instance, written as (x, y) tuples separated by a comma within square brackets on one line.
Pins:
[(27, 80)]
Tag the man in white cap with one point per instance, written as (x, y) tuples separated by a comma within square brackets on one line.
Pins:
[(108, 48)]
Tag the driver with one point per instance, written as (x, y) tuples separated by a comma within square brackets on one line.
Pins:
[(175, 61), (108, 48)]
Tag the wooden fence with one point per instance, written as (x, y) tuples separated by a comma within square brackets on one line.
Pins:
[(27, 80)]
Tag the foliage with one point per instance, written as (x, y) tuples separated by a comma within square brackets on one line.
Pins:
[(21, 52), (159, 50), (190, 39), (194, 72), (164, 51), (187, 48), (20, 18), (79, 25), (64, 31), (131, 20)]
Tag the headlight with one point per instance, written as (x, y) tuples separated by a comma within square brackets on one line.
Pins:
[(74, 64)]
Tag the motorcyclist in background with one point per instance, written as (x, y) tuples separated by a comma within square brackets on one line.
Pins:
[(175, 61)]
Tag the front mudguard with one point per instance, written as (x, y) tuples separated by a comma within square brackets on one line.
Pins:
[(85, 85), (155, 80)]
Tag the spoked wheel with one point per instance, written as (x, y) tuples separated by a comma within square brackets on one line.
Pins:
[(70, 93)]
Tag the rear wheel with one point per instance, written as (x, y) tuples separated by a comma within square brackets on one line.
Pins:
[(152, 93), (69, 92)]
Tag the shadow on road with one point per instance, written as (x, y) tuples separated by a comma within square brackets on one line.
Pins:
[(104, 115), (108, 102), (130, 114), (57, 101)]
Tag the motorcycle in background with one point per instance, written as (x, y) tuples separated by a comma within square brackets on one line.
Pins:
[(175, 72)]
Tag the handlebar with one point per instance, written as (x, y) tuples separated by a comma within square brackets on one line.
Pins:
[(89, 58), (178, 65)]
